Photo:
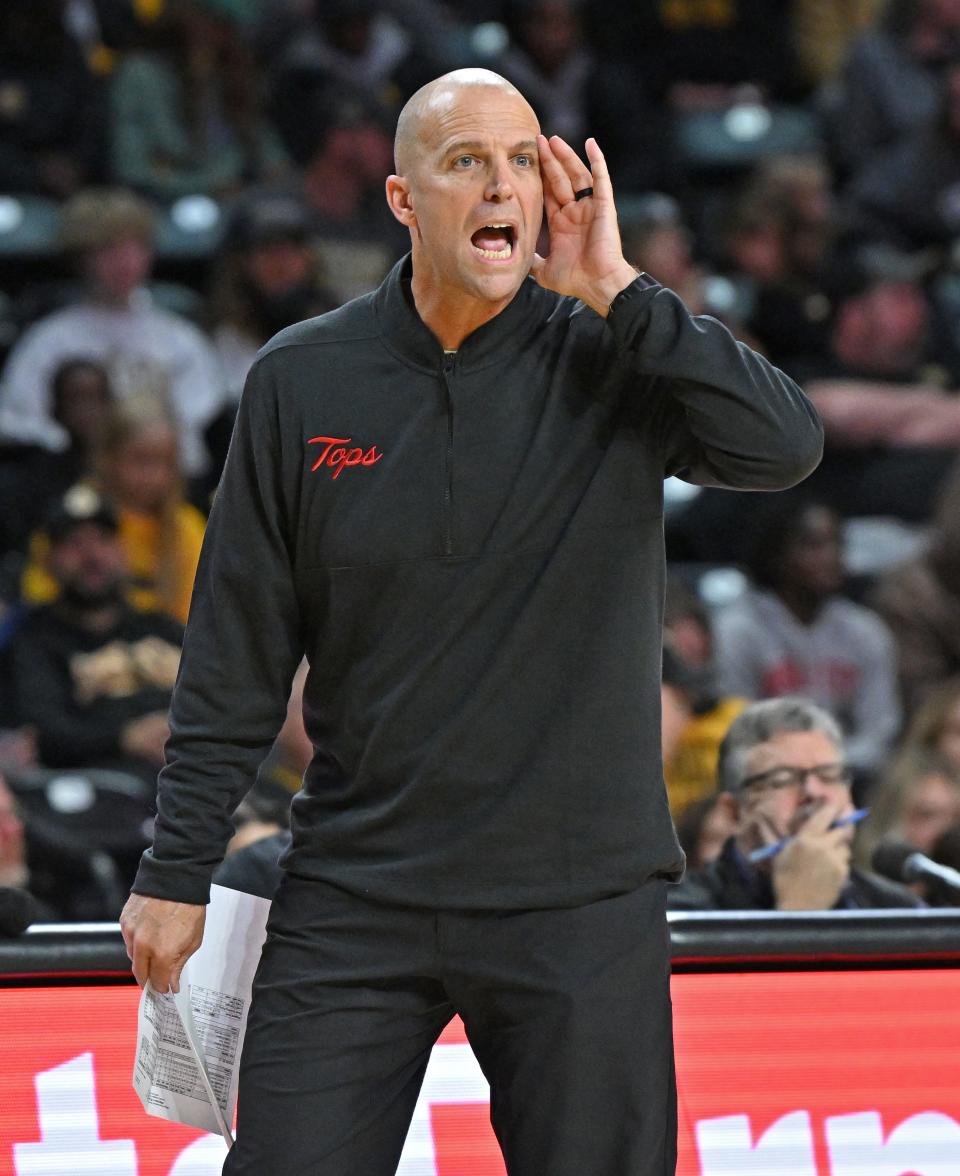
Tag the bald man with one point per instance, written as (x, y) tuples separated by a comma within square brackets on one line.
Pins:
[(447, 495)]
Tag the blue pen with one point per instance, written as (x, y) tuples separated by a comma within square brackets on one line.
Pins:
[(769, 851)]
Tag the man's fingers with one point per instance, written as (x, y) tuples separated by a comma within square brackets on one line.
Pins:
[(576, 170), (839, 837), (602, 185), (556, 182), (141, 960), (823, 817)]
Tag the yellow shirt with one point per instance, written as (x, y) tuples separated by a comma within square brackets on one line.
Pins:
[(140, 537), (692, 771)]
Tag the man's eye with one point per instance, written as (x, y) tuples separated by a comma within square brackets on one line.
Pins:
[(524, 161), (464, 161)]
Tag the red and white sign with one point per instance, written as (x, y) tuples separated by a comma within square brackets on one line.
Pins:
[(779, 1074)]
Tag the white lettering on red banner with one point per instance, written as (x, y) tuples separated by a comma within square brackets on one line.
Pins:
[(779, 1074)]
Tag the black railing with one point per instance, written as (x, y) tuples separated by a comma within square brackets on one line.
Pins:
[(729, 941)]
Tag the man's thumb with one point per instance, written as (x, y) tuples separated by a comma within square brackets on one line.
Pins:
[(536, 267)]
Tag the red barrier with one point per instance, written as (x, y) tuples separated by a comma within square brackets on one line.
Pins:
[(806, 1074)]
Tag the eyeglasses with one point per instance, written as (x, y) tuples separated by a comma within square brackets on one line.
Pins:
[(779, 779)]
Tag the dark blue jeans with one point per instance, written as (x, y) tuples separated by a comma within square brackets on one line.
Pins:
[(567, 1010)]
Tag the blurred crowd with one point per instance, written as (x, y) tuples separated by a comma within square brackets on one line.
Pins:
[(179, 179)]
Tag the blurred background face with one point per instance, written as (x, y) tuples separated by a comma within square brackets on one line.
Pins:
[(761, 251), (665, 253), (883, 331), (931, 808), (550, 33), (81, 403), (144, 471), (787, 808), (88, 565), (366, 148), (813, 557), (278, 266), (117, 269)]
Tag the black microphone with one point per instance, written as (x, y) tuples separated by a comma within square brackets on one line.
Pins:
[(903, 863)]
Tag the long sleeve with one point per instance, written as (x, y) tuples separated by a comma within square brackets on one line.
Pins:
[(242, 646), (67, 735), (726, 416)]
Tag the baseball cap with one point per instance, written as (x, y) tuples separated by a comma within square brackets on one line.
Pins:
[(80, 504)]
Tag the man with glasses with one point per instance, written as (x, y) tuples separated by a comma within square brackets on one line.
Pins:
[(784, 783)]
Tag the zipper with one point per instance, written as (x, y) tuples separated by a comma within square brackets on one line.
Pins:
[(446, 369)]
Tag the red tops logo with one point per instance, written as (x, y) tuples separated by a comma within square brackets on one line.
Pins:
[(337, 456)]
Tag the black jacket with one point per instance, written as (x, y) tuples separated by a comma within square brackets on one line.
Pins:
[(728, 884), (78, 689), (469, 548)]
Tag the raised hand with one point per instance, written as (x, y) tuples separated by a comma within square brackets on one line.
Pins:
[(586, 259)]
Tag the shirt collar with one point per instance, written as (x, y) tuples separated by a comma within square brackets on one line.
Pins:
[(406, 335)]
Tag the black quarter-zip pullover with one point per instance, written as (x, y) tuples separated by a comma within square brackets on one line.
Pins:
[(468, 548)]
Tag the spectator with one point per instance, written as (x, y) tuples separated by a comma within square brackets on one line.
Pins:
[(794, 631), (268, 277), (776, 236), (891, 80), (51, 116), (701, 713), (782, 775), (14, 857), (892, 427), (13, 846), (30, 476), (549, 60), (702, 830), (254, 866), (695, 54), (345, 154), (161, 534), (908, 195), (658, 240), (916, 800), (920, 600), (115, 323), (935, 726), (91, 675), (946, 851), (351, 47), (184, 108), (823, 31)]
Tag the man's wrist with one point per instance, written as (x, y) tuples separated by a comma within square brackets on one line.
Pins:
[(606, 290)]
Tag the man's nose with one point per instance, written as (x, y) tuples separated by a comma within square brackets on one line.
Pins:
[(815, 789), (499, 182)]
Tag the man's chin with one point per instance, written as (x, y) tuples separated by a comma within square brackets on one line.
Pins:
[(498, 282)]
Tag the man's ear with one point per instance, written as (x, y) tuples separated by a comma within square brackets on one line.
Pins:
[(398, 198), (729, 806)]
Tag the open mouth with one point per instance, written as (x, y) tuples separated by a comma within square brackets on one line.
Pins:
[(494, 242)]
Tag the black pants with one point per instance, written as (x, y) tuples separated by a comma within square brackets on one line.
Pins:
[(567, 1011)]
